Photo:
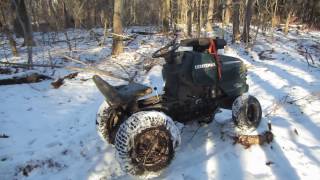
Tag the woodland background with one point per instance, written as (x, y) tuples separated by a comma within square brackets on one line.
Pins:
[(19, 18)]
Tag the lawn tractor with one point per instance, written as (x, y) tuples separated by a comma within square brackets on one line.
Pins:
[(198, 82)]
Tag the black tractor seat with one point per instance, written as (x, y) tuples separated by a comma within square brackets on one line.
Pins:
[(133, 91), (121, 95)]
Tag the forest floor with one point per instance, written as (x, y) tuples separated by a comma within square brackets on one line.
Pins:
[(49, 133)]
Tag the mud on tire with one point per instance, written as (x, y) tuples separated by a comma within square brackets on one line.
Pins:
[(146, 142), (246, 112), (108, 122)]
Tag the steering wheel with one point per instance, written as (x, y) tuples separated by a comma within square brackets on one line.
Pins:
[(166, 50)]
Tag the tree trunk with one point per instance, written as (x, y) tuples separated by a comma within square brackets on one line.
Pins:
[(198, 9), (227, 14), (289, 10), (209, 22), (236, 21), (247, 21), (189, 18), (67, 17), (286, 28), (174, 14), (117, 45), (274, 15), (24, 20), (165, 15), (4, 28)]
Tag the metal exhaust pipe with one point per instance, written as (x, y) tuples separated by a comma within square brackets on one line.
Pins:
[(109, 92)]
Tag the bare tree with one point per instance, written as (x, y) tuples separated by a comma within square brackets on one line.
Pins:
[(23, 18), (198, 9), (189, 17), (247, 21), (227, 14), (4, 25), (117, 45), (274, 13), (289, 11), (165, 15), (174, 14), (210, 14), (236, 21)]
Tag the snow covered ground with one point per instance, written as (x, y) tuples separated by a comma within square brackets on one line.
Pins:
[(52, 133)]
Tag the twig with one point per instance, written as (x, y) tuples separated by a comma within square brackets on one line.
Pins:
[(307, 55), (298, 99), (275, 106), (195, 132)]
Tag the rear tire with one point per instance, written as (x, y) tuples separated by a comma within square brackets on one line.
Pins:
[(246, 112), (146, 142)]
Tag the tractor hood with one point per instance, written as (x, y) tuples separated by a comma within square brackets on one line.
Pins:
[(234, 76)]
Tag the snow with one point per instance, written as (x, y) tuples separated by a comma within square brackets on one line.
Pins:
[(54, 130)]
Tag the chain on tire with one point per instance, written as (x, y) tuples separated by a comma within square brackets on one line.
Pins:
[(135, 126), (246, 112), (108, 121)]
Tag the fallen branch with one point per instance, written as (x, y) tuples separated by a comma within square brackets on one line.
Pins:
[(31, 78), (4, 136), (5, 71), (131, 40), (144, 33), (262, 55), (75, 60), (22, 65), (57, 83), (124, 38), (85, 69)]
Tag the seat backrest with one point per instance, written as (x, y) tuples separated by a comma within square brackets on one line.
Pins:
[(202, 44)]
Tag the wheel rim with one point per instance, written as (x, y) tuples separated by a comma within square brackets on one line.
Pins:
[(152, 149)]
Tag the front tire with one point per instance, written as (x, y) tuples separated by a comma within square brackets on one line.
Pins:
[(146, 142), (246, 112), (108, 122)]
